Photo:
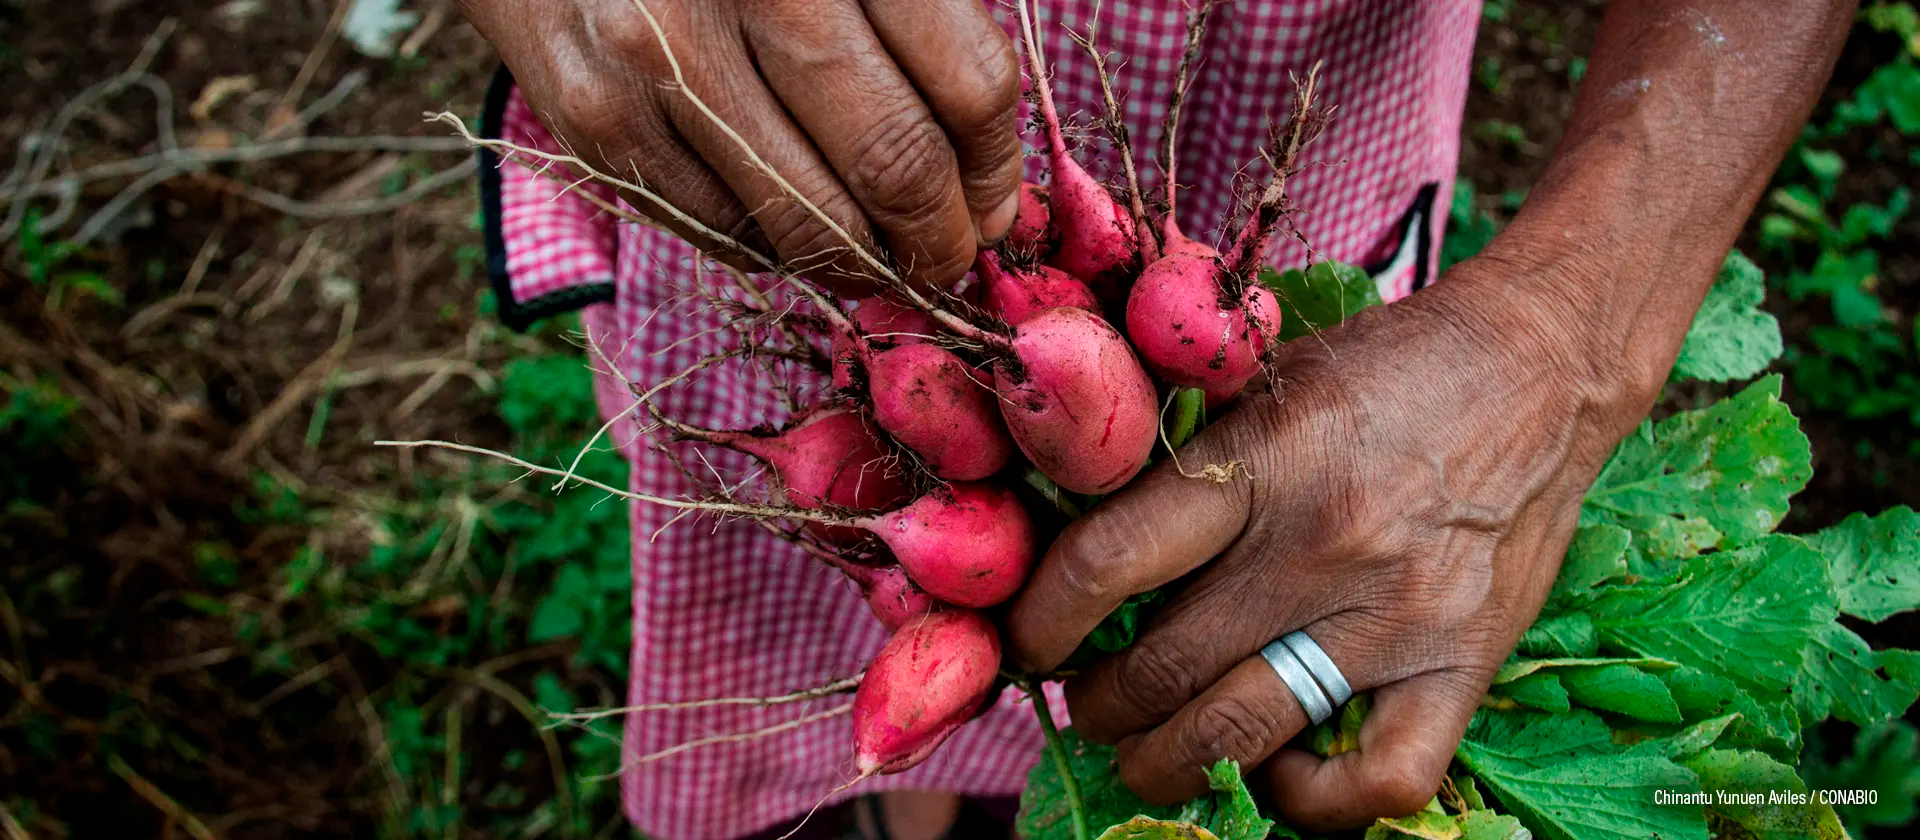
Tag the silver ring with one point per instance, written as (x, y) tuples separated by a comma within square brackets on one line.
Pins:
[(1320, 665), (1298, 680)]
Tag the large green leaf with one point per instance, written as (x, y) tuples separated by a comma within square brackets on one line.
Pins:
[(1875, 562), (1731, 338), (1320, 297), (1717, 475), (1621, 689), (1230, 812), (1759, 798), (1148, 828), (1840, 674), (1044, 814), (1563, 776), (1745, 614)]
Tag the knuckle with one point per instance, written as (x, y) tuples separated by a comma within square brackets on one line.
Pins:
[(1228, 728), (1402, 786), (995, 97), (1157, 678), (628, 36), (1094, 562), (902, 167)]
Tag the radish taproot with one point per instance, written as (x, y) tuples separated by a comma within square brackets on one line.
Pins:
[(967, 543), (1076, 400), (934, 403), (1014, 293), (930, 678), (1199, 324)]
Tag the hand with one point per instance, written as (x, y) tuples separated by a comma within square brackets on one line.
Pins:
[(1414, 481), (895, 117)]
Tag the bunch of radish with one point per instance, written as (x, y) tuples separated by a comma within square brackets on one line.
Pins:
[(1049, 371)]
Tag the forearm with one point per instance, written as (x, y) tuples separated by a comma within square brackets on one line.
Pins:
[(1682, 118)]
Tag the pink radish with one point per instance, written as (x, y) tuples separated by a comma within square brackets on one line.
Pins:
[(1032, 234), (828, 457), (1076, 400), (1098, 241), (1204, 320), (937, 405), (967, 543), (881, 321), (930, 678), (892, 595), (1016, 293), (1198, 324)]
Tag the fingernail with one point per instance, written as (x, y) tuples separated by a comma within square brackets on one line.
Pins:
[(993, 227)]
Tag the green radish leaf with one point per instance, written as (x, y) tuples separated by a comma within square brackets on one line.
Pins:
[(1541, 691), (1517, 668), (1875, 561), (1429, 825), (1731, 338), (1622, 689), (1043, 805), (1230, 812), (1783, 810), (1715, 476), (1597, 554), (1319, 298), (1773, 726), (1745, 614), (1565, 779), (1840, 674), (1562, 636), (1147, 828)]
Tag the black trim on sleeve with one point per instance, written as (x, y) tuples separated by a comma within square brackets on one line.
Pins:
[(515, 314), (1417, 224)]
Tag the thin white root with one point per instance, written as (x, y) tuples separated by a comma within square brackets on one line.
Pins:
[(732, 738), (505, 149), (836, 687), (733, 508)]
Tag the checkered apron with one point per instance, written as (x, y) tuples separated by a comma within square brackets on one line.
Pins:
[(721, 608)]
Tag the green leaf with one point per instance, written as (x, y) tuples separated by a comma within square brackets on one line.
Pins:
[(1875, 562), (1147, 828), (1622, 689), (1429, 825), (1731, 338), (1773, 726), (1721, 474), (1689, 741), (1569, 635), (1320, 298), (1757, 797), (1565, 779), (1744, 614), (1043, 805), (1598, 553), (1840, 674), (1229, 812), (1517, 668), (1541, 691)]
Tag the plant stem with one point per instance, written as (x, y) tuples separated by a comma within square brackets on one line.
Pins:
[(1057, 747)]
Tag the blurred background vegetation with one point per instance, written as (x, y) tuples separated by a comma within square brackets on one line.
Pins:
[(223, 614)]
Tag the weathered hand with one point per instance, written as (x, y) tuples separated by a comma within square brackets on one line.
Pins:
[(895, 117), (1414, 480)]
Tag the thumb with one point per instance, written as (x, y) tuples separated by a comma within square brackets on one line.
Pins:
[(1158, 528)]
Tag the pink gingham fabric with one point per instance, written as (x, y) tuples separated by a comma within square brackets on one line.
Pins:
[(724, 609)]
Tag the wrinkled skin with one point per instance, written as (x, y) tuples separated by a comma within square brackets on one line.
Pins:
[(896, 118)]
